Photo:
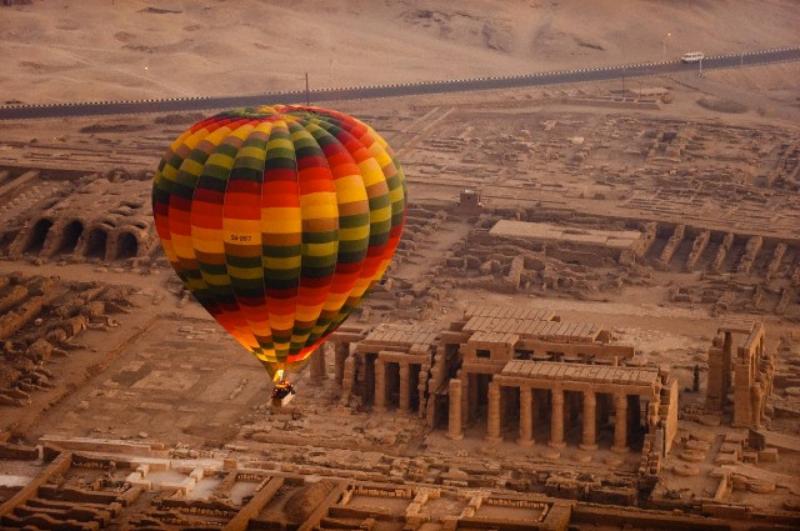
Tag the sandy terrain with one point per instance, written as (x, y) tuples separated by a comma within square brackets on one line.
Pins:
[(136, 362), (143, 49)]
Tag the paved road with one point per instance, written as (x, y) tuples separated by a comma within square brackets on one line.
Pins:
[(17, 112)]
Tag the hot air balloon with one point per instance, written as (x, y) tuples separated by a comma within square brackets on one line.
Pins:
[(278, 219)]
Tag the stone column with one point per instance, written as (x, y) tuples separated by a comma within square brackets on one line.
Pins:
[(557, 419), (620, 423), (348, 375), (470, 396), (589, 421), (493, 417), (318, 365), (341, 351), (756, 399), (405, 397), (380, 384), (727, 364), (525, 416), (421, 388), (454, 430), (634, 412)]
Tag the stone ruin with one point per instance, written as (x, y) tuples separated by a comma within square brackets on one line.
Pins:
[(502, 253), (101, 221), (517, 373), (553, 252), (40, 318), (84, 484), (741, 379)]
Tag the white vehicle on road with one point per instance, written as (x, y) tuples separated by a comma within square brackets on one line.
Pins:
[(692, 57)]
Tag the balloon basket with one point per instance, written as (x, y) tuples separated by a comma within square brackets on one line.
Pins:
[(282, 395)]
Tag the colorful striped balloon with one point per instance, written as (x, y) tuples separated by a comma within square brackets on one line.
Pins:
[(278, 219)]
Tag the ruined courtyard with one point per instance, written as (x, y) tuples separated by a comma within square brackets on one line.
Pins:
[(592, 321)]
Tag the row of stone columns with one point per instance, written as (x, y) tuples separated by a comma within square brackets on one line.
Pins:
[(345, 369), (527, 414)]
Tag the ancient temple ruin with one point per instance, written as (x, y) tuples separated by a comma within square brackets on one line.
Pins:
[(740, 378), (507, 370)]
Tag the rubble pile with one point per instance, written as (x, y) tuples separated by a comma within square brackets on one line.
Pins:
[(41, 318)]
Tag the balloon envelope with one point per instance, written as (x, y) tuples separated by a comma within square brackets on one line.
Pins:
[(278, 219)]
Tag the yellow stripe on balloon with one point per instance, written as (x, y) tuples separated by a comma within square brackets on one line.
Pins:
[(252, 152), (280, 143), (264, 127), (216, 280), (247, 273), (192, 167), (381, 214), (180, 140), (209, 246), (260, 328), (221, 160), (289, 262), (241, 231), (396, 194), (380, 155), (350, 189), (319, 205), (308, 313), (207, 240), (192, 140), (281, 321), (242, 132), (169, 251), (268, 356), (320, 249), (182, 245), (360, 287), (169, 172), (355, 233), (371, 172), (335, 301), (194, 283), (218, 135), (280, 220)]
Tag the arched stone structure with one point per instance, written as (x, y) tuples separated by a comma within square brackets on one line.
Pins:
[(70, 237), (96, 243), (37, 236), (126, 246)]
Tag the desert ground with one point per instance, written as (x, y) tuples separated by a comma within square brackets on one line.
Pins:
[(59, 51), (675, 208)]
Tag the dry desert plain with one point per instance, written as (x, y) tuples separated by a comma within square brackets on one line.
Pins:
[(626, 234)]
